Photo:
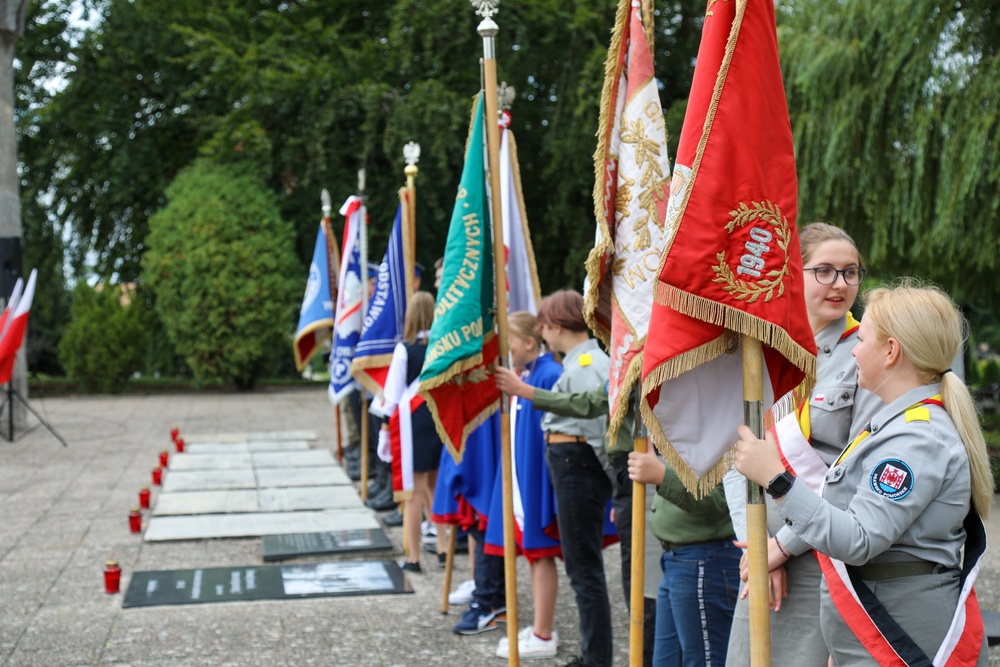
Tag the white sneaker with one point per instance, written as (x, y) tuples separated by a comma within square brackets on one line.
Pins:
[(463, 594), (530, 646)]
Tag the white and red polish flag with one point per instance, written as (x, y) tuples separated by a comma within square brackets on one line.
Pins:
[(16, 325)]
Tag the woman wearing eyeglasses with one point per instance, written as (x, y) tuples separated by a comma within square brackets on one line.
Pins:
[(835, 409)]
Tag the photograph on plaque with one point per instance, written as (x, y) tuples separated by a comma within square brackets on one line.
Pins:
[(344, 578)]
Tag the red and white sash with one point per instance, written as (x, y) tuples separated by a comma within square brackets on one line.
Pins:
[(401, 441), (890, 646)]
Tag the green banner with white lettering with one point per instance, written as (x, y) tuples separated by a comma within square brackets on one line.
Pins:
[(457, 377)]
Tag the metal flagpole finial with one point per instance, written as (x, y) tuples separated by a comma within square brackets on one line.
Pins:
[(325, 198), (488, 28), (505, 96), (485, 8), (411, 153), (361, 180)]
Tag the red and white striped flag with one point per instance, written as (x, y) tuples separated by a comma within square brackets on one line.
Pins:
[(12, 338)]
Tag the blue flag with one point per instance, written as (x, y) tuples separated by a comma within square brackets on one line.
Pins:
[(383, 324), (350, 295), (316, 316)]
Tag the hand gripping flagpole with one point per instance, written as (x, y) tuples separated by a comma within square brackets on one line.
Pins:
[(487, 30), (363, 413), (324, 199), (753, 417)]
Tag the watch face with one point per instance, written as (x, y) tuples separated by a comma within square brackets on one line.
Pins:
[(780, 485)]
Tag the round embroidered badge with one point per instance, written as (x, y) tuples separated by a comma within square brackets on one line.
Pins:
[(892, 478)]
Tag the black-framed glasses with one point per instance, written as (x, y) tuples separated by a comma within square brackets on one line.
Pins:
[(827, 275)]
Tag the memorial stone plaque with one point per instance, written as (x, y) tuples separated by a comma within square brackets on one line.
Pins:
[(281, 547), (265, 582)]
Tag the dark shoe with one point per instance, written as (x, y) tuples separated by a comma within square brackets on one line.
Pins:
[(575, 662), (393, 519), (442, 559), (380, 479), (477, 619), (381, 502), (412, 567)]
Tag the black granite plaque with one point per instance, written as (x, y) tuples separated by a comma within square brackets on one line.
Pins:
[(265, 582), (281, 547)]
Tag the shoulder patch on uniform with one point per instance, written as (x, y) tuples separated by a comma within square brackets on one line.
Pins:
[(892, 479), (918, 414), (586, 359)]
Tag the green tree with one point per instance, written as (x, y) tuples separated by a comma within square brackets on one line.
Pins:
[(221, 265), (104, 342), (894, 109)]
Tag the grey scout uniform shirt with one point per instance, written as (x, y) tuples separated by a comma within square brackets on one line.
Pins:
[(578, 378), (838, 411), (902, 494)]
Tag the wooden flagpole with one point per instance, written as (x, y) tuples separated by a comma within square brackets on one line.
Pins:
[(363, 417), (411, 153), (753, 417), (640, 444), (637, 603), (488, 29)]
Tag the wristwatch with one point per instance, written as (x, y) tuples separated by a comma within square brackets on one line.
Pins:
[(780, 485)]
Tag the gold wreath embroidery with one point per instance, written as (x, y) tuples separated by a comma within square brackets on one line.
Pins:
[(742, 290), (473, 376), (647, 159)]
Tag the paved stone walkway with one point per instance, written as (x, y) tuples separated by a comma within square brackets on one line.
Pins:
[(63, 513)]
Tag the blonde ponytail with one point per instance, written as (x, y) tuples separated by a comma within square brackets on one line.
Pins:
[(930, 330), (962, 410)]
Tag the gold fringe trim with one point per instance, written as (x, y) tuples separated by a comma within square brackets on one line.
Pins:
[(323, 336), (515, 170), (699, 487), (682, 363), (443, 378), (359, 371), (713, 107), (739, 321), (401, 496), (596, 261), (632, 375)]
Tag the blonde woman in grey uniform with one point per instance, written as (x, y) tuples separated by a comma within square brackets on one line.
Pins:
[(836, 409), (901, 501)]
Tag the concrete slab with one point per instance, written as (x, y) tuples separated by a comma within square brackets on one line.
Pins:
[(196, 461), (278, 446), (216, 448), (238, 436), (308, 498), (207, 502), (208, 480), (331, 475), (167, 528), (307, 459)]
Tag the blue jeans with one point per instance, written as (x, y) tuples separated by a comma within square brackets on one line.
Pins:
[(491, 592), (694, 609), (582, 491)]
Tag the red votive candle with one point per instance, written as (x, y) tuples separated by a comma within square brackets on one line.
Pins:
[(157, 475), (112, 576), (135, 520), (144, 497)]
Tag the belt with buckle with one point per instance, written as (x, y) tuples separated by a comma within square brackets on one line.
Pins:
[(561, 438)]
